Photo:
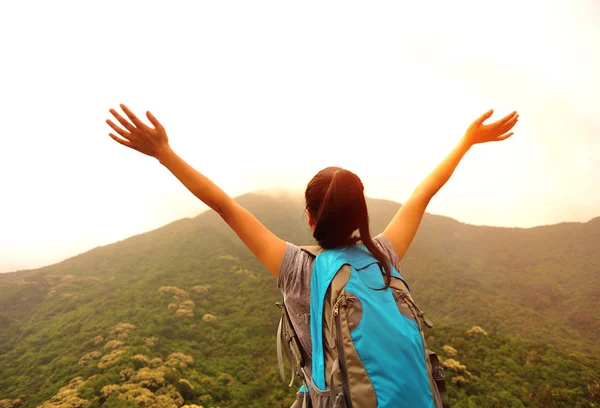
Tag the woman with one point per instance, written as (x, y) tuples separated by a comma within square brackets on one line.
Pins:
[(335, 206)]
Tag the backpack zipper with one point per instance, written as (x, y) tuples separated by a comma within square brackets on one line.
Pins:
[(335, 309), (420, 313)]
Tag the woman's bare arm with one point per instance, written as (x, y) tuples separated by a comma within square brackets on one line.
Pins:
[(403, 227), (153, 141)]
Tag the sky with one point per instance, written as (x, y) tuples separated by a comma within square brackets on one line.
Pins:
[(261, 95)]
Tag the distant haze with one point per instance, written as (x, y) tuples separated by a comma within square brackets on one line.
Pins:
[(261, 95)]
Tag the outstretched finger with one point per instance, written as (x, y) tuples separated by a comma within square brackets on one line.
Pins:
[(154, 121), (501, 123), (485, 116), (122, 120), (505, 136), (121, 141), (118, 129), (508, 117), (510, 124), (138, 123)]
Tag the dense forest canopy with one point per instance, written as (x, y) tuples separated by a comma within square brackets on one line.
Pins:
[(184, 315)]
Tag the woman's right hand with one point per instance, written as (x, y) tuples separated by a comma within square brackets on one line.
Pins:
[(138, 136), (493, 132)]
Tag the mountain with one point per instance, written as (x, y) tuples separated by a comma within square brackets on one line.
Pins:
[(185, 315)]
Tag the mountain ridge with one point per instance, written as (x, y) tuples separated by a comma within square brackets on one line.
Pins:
[(296, 198), (441, 241)]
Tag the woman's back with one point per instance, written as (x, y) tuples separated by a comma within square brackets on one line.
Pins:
[(294, 282)]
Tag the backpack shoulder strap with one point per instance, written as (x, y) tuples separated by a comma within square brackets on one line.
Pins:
[(439, 377), (313, 250), (288, 344), (287, 340)]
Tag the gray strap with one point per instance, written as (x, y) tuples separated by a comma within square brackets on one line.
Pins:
[(279, 350), (282, 348), (333, 395), (292, 371)]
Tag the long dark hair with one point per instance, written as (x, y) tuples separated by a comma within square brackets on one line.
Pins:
[(335, 199)]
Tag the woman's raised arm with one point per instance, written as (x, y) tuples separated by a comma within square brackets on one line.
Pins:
[(153, 141), (403, 227)]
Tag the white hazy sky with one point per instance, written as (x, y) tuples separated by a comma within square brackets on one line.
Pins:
[(262, 95)]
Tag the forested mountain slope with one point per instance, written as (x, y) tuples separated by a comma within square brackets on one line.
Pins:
[(185, 315)]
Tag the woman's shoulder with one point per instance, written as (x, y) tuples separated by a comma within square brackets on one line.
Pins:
[(295, 269), (388, 250)]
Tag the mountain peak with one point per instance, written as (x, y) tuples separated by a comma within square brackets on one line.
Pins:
[(594, 221)]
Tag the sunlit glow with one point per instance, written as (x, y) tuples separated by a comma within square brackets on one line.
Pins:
[(261, 95)]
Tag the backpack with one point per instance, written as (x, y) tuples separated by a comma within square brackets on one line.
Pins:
[(368, 346)]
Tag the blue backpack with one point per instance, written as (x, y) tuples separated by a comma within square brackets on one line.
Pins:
[(368, 347)]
